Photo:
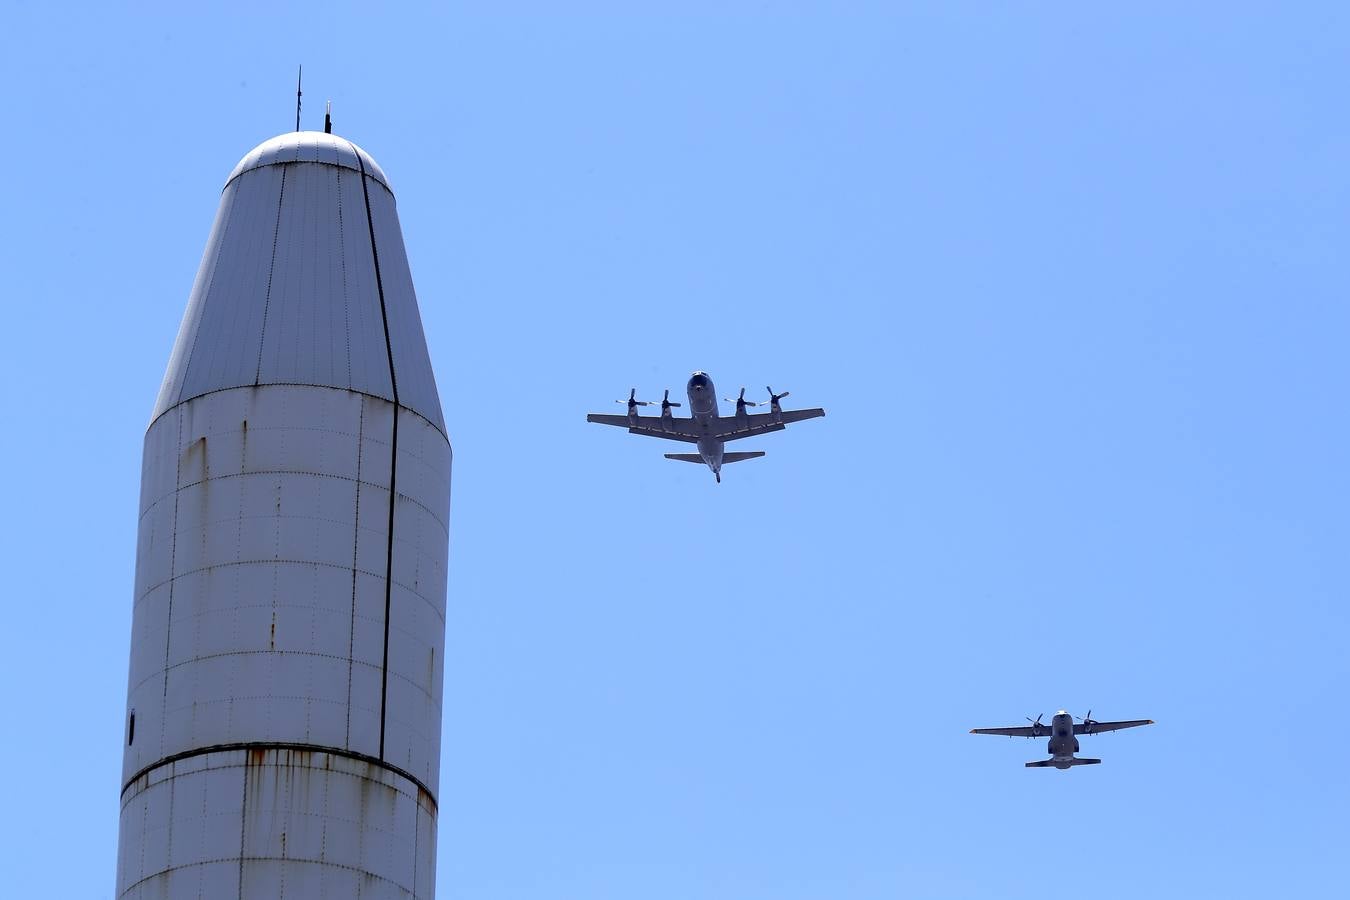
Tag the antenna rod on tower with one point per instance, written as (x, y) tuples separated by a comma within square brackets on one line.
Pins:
[(298, 75), (328, 118)]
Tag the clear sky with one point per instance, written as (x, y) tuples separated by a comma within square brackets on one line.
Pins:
[(1070, 283)]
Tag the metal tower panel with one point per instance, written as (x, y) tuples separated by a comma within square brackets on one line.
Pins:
[(412, 366), (304, 280), (261, 579), (276, 823)]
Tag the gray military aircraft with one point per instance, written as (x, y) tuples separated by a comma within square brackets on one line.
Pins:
[(705, 426), (1063, 734)]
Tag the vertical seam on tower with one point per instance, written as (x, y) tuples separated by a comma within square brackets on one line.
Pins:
[(393, 451), (173, 551), (271, 270), (356, 544), (173, 783), (243, 824), (346, 300)]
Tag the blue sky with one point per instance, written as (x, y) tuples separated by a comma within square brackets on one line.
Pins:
[(1069, 282)]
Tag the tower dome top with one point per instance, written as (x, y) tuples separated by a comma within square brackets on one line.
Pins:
[(312, 147)]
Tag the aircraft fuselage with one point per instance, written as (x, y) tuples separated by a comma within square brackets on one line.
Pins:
[(703, 409), (1063, 745)]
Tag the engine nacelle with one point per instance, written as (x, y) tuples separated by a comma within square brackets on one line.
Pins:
[(666, 406), (775, 405)]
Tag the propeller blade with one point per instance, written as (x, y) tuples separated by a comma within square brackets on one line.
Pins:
[(633, 401)]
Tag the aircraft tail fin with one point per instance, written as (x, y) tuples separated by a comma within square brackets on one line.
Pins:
[(686, 457), (1062, 763)]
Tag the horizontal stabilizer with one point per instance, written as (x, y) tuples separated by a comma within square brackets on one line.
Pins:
[(1062, 763), (726, 457)]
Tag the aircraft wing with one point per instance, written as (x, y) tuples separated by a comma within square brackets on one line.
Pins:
[(1025, 731), (733, 428), (671, 429), (1099, 727)]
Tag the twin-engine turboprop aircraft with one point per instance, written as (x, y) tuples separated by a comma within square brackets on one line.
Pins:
[(705, 426), (1063, 734)]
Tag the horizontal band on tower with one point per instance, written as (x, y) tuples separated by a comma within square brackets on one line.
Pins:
[(304, 384), (422, 790)]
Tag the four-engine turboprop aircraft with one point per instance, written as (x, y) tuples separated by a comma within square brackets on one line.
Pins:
[(705, 426), (1063, 737)]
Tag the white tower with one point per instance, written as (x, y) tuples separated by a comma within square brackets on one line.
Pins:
[(284, 701)]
